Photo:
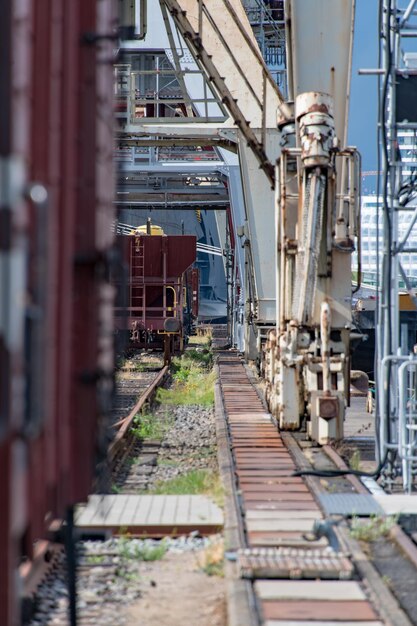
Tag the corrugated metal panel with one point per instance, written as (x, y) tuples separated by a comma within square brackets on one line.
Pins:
[(350, 504)]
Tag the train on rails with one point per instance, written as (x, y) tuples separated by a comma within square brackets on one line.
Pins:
[(157, 296)]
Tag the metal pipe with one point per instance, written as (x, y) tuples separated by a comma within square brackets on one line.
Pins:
[(175, 298), (325, 327), (143, 23), (358, 228), (127, 19), (281, 273), (367, 72), (407, 13), (407, 420), (386, 442), (288, 50)]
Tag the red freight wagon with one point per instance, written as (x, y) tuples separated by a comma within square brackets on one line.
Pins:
[(153, 303)]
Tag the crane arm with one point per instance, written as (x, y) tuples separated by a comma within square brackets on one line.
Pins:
[(221, 39)]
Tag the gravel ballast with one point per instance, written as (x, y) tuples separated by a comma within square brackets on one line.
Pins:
[(113, 575)]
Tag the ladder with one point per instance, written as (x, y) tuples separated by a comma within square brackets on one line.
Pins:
[(137, 278)]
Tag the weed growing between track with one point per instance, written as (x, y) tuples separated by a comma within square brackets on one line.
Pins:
[(141, 550), (211, 560), (372, 529), (146, 427), (193, 380), (202, 481)]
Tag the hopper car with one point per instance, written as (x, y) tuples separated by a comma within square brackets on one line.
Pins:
[(157, 300)]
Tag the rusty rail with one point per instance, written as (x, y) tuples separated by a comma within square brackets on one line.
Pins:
[(126, 423), (282, 515)]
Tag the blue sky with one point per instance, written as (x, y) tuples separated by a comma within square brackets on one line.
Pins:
[(362, 131)]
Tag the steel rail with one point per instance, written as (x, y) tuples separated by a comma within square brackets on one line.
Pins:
[(258, 462), (127, 422)]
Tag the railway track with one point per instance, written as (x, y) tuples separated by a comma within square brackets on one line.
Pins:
[(291, 562), (110, 569), (146, 384), (288, 562), (44, 579)]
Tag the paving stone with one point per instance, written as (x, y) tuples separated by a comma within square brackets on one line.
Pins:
[(309, 590)]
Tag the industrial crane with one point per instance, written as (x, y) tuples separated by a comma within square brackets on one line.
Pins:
[(317, 225), (301, 195)]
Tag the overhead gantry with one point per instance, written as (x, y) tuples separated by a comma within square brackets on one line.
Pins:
[(221, 40), (300, 193)]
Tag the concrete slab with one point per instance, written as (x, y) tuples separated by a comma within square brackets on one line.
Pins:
[(358, 421), (280, 505), (397, 504), (274, 539), (290, 525), (309, 590), (274, 622), (145, 512), (253, 514)]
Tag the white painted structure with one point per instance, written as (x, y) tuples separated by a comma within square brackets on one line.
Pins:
[(297, 243)]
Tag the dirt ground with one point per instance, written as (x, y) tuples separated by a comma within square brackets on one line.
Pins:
[(177, 592)]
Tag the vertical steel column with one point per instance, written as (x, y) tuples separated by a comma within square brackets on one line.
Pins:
[(397, 422)]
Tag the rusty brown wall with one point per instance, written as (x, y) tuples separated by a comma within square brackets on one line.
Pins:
[(58, 112)]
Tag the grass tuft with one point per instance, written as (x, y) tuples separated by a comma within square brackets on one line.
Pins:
[(198, 340), (193, 380), (142, 551), (95, 559), (211, 560), (146, 426), (191, 386), (376, 528), (199, 357), (355, 460), (195, 482)]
